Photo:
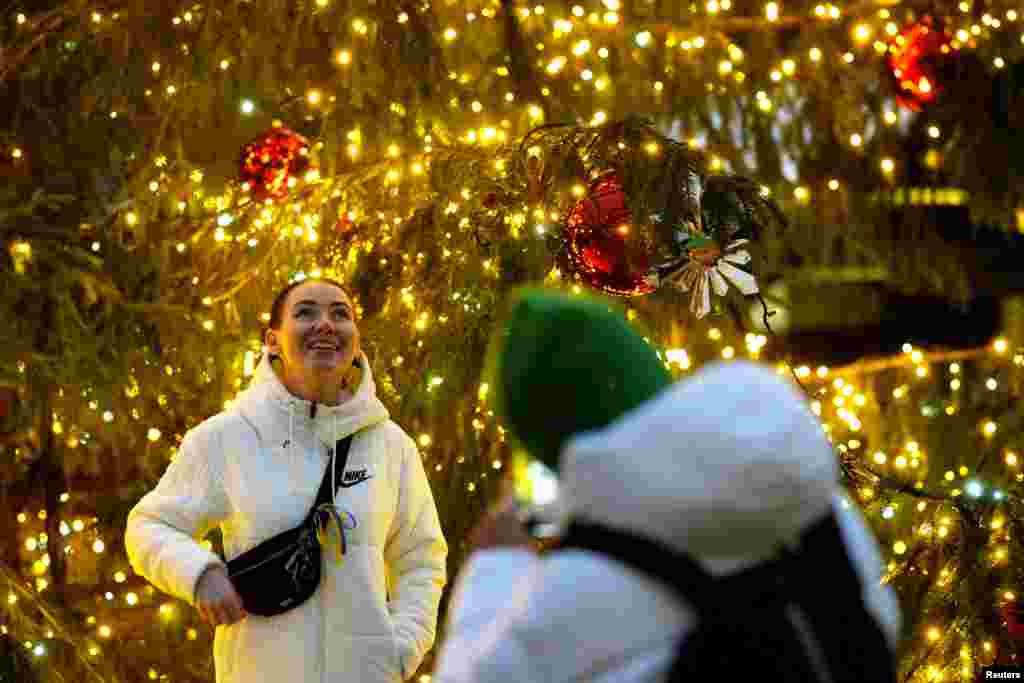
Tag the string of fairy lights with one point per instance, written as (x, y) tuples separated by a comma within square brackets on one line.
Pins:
[(922, 501), (581, 42), (302, 220), (836, 397), (837, 400)]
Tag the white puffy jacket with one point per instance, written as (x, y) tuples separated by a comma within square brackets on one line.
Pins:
[(254, 470), (723, 466)]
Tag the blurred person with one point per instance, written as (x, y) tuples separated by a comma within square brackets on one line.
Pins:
[(253, 470), (704, 534)]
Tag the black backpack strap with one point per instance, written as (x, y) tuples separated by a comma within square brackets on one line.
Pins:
[(746, 617), (763, 585), (340, 460), (855, 647), (676, 570)]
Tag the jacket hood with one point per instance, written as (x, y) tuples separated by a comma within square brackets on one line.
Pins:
[(726, 464), (267, 398)]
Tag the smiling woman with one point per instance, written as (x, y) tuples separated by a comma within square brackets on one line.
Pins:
[(254, 470), (313, 332)]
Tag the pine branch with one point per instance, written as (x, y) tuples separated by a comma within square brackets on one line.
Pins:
[(158, 308), (248, 275), (48, 25), (838, 275), (898, 486), (44, 26), (15, 586), (920, 662), (522, 73), (727, 25)]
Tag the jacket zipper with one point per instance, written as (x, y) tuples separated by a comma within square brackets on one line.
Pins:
[(281, 552), (323, 658)]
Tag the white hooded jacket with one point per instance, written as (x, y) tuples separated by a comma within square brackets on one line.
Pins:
[(254, 470), (724, 466)]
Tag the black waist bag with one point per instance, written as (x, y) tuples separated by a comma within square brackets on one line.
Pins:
[(283, 572), (798, 618)]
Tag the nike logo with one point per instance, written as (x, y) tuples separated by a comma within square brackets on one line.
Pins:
[(350, 479)]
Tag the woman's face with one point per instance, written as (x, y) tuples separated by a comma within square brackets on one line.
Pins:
[(318, 333)]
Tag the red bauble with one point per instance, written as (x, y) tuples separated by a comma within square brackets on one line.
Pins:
[(1014, 625), (8, 398), (919, 60), (603, 247), (269, 161), (344, 223)]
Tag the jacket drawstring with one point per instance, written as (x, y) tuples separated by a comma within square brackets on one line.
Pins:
[(334, 458)]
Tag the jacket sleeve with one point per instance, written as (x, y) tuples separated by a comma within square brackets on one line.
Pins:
[(487, 618), (415, 554), (187, 502)]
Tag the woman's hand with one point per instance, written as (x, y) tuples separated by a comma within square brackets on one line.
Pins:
[(218, 602), (501, 528)]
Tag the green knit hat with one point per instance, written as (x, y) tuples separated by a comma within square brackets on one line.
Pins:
[(563, 365)]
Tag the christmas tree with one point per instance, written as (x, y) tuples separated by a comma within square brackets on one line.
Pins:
[(168, 166)]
